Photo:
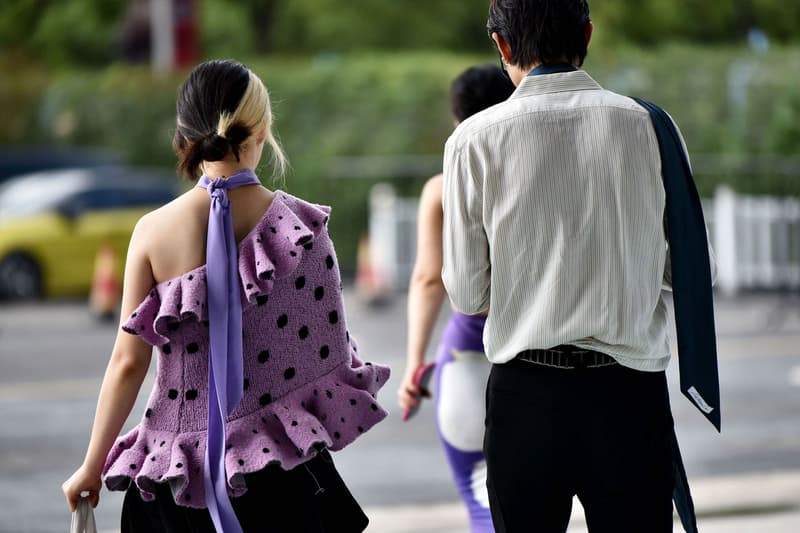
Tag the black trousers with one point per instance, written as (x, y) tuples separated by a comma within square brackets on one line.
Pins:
[(310, 498), (603, 434)]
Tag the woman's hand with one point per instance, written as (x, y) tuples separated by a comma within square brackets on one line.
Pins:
[(409, 394), (83, 480)]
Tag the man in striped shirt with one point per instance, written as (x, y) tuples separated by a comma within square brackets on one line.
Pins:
[(554, 225)]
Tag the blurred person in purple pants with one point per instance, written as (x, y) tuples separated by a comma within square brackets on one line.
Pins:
[(461, 366)]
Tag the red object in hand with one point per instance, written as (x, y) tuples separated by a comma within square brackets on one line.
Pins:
[(422, 378)]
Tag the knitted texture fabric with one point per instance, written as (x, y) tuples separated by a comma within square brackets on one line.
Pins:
[(304, 386)]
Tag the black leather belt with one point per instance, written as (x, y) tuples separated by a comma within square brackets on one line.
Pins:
[(567, 357)]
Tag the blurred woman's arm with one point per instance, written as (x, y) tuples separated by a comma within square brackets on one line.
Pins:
[(426, 293), (127, 368)]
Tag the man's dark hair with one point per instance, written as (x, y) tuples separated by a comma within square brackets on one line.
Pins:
[(541, 31), (477, 88)]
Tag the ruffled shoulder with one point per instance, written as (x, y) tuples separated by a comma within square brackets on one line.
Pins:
[(272, 250)]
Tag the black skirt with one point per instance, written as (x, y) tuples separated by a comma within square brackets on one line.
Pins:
[(311, 498)]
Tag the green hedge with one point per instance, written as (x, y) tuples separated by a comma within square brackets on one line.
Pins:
[(728, 101)]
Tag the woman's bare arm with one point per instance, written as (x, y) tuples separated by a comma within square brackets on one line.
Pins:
[(426, 293), (127, 368)]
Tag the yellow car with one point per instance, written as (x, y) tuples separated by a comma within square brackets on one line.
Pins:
[(53, 223)]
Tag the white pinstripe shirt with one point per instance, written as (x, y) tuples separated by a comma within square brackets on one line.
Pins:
[(553, 212)]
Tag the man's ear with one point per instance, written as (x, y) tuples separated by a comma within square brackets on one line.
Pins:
[(503, 47), (587, 32)]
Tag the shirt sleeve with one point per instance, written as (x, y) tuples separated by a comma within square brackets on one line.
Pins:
[(466, 270)]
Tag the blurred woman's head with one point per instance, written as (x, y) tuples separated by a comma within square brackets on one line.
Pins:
[(477, 88), (223, 113)]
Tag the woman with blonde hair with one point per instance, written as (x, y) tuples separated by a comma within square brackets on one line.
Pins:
[(238, 289)]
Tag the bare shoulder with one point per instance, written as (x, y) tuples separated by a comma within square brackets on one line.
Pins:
[(158, 215), (432, 191), (153, 224)]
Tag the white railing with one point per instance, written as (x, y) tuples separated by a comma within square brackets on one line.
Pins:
[(756, 239)]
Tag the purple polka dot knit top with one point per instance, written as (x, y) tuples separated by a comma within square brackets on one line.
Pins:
[(304, 385)]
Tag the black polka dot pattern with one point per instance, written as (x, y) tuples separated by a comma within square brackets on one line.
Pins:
[(284, 340)]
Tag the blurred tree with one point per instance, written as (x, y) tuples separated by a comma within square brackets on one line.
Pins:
[(226, 28), (656, 21), (338, 25), (778, 18), (262, 18), (86, 31), (77, 31)]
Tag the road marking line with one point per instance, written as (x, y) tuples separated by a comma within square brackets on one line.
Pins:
[(85, 388)]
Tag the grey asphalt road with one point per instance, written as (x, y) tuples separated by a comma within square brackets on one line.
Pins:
[(52, 358)]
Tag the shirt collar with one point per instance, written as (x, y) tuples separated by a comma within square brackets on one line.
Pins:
[(578, 80)]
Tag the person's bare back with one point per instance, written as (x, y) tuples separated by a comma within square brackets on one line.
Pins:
[(181, 247)]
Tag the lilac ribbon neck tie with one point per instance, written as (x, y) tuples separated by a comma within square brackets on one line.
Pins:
[(225, 374)]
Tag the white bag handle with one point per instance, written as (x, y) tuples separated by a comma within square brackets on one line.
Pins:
[(83, 518)]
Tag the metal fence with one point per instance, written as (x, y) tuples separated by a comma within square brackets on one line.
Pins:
[(756, 239)]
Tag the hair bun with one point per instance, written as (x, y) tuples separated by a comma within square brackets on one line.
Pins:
[(237, 134), (214, 148)]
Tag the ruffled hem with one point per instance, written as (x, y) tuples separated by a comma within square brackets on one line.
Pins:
[(288, 432), (287, 229)]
